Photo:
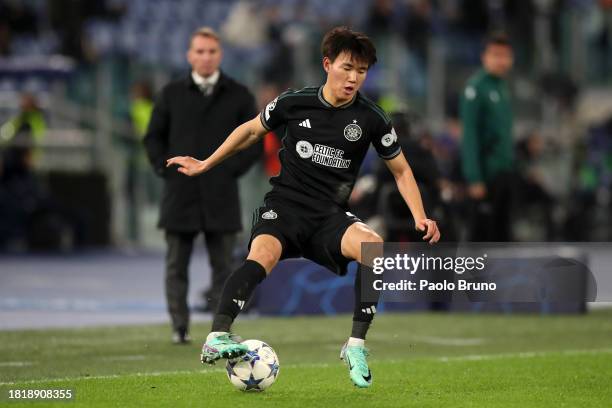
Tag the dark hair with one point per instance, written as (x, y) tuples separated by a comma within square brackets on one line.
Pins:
[(357, 44), (498, 38)]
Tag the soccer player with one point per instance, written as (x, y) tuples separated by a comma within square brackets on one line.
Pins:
[(328, 132)]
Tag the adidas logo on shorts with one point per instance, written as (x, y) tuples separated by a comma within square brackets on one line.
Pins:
[(369, 310), (240, 303)]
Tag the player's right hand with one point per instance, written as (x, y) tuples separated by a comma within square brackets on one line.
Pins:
[(188, 165)]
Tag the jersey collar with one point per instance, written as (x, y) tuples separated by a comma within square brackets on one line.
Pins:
[(329, 105)]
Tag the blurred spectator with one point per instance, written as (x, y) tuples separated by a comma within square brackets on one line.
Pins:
[(531, 190), (474, 17), (68, 18), (29, 216), (139, 182), (447, 151), (590, 208), (245, 25), (487, 145), (16, 18), (29, 123), (418, 27), (520, 16), (141, 107), (380, 17), (278, 67), (600, 32)]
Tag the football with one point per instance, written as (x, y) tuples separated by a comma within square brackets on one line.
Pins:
[(256, 370)]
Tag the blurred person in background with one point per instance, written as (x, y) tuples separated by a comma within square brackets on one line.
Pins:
[(192, 116), (532, 193), (139, 185), (487, 146), (29, 123)]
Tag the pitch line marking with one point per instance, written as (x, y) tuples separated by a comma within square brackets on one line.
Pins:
[(15, 363), (449, 359), (527, 354), (147, 374), (136, 357), (449, 341)]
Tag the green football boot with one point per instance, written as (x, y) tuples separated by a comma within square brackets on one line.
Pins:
[(355, 359), (223, 346)]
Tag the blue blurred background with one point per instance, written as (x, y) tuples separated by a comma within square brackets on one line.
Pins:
[(88, 71)]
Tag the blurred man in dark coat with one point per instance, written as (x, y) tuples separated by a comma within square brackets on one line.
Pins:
[(192, 116)]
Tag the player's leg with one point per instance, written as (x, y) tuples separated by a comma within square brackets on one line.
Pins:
[(179, 248), (264, 254), (354, 352)]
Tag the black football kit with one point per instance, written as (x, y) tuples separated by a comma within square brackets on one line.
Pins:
[(322, 150)]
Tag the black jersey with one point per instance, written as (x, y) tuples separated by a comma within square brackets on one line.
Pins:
[(323, 145)]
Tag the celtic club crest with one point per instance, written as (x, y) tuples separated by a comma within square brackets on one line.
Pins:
[(352, 132)]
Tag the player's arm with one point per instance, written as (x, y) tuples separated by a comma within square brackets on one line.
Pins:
[(409, 190), (242, 137)]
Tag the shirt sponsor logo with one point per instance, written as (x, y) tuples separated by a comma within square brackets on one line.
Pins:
[(321, 154), (352, 131), (269, 215), (330, 157)]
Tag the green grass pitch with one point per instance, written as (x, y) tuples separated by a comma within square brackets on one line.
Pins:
[(420, 360)]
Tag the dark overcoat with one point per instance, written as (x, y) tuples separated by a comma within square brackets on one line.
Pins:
[(186, 122)]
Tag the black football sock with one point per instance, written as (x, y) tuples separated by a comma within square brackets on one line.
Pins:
[(366, 301), (238, 288)]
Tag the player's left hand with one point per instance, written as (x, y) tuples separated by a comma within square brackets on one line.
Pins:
[(432, 233)]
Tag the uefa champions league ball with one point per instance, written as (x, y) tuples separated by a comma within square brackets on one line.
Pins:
[(256, 370)]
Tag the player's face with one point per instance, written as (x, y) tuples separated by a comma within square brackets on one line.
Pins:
[(204, 55), (498, 59), (345, 76)]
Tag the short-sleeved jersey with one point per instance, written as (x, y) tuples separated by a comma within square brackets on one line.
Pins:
[(323, 145)]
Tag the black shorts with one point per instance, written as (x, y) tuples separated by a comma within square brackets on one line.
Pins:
[(305, 232)]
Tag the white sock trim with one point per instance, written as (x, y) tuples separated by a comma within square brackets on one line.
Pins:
[(212, 335), (355, 342)]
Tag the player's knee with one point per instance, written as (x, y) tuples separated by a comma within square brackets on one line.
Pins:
[(369, 237), (372, 237), (267, 257)]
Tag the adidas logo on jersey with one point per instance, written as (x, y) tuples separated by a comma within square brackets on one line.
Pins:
[(306, 124)]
